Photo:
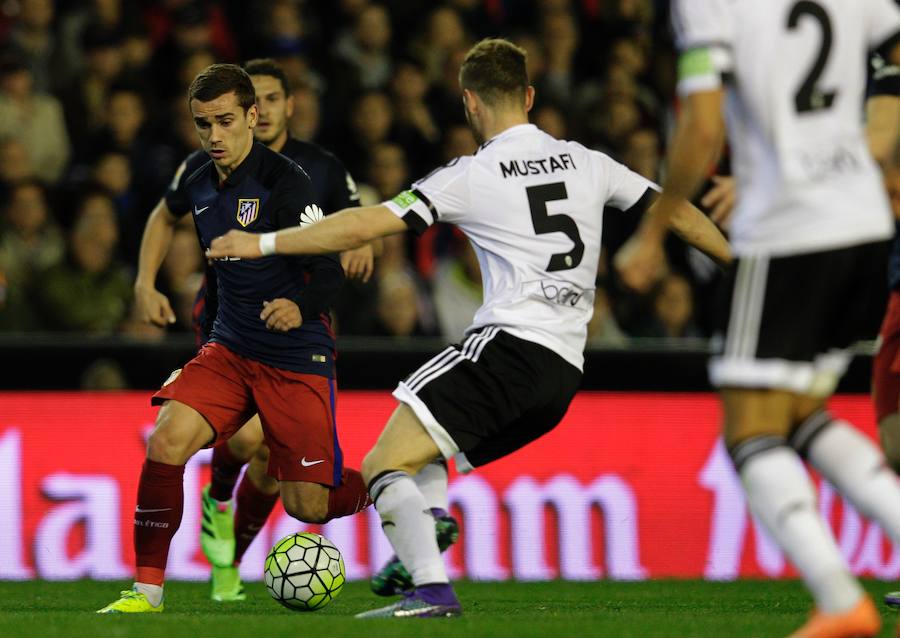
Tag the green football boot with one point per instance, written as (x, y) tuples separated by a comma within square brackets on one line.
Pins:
[(130, 602), (217, 530), (393, 579), (226, 585)]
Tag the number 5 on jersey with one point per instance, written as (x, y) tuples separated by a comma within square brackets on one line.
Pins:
[(538, 196)]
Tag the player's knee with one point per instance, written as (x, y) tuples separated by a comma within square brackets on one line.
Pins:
[(262, 455), (167, 445), (889, 431), (308, 506)]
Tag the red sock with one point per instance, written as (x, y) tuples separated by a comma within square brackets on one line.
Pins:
[(225, 470), (160, 501), (350, 497), (253, 508)]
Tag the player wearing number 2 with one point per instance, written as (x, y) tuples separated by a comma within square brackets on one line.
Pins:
[(532, 206), (808, 230)]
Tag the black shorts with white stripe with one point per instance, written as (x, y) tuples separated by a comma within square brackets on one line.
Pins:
[(787, 321), (490, 395)]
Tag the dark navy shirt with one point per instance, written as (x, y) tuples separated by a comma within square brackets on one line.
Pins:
[(331, 181), (265, 193)]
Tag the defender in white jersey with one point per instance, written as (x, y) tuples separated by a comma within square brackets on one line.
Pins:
[(532, 207), (809, 231)]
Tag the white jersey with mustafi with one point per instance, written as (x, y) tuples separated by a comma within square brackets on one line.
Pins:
[(532, 207), (796, 77)]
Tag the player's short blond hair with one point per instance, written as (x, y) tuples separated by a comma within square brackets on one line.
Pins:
[(496, 70)]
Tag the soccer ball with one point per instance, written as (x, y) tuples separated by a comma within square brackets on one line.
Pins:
[(304, 572)]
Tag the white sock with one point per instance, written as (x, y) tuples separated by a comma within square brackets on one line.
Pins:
[(856, 467), (781, 495), (154, 593), (409, 525), (432, 482)]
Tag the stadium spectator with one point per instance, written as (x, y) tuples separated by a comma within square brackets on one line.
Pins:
[(641, 152), (33, 118), (33, 38), (457, 291), (90, 291), (30, 242), (603, 330), (402, 308), (15, 163), (444, 34), (305, 120), (409, 87), (364, 50), (673, 309), (85, 96), (182, 273)]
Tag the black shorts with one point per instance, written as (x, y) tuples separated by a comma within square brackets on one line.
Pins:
[(786, 322), (490, 395)]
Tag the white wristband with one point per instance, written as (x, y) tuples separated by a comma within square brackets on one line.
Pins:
[(267, 243)]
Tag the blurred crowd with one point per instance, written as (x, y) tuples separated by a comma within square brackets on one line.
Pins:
[(94, 121)]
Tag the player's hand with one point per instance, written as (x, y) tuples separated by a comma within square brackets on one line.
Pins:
[(359, 263), (719, 200), (152, 306), (235, 243), (641, 262), (281, 315)]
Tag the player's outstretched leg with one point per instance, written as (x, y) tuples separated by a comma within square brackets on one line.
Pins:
[(406, 519), (393, 578)]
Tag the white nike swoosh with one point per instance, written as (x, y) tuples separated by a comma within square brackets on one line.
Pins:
[(139, 510), (306, 463), (197, 211)]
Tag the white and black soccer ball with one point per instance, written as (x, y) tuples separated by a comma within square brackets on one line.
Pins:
[(304, 572)]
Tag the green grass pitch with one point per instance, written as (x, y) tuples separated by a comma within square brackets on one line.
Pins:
[(518, 610)]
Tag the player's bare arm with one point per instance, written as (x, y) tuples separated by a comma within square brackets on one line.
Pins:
[(347, 229), (699, 231), (696, 146), (153, 306)]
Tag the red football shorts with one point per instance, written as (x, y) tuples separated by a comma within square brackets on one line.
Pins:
[(296, 410), (886, 366)]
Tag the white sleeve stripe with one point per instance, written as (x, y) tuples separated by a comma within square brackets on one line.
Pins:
[(706, 44), (699, 84)]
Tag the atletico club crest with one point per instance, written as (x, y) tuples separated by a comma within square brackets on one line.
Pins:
[(248, 211)]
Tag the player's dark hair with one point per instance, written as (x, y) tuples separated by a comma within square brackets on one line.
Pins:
[(219, 79), (268, 66), (495, 69)]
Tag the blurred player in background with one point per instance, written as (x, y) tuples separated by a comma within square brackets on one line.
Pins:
[(809, 232), (532, 207), (270, 351)]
